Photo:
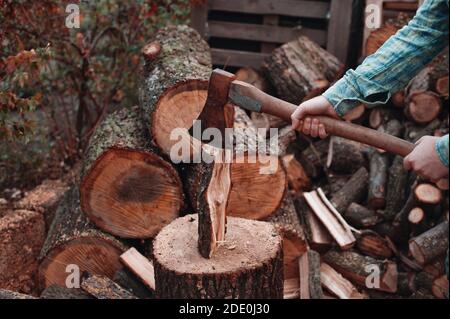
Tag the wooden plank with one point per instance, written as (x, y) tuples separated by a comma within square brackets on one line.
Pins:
[(199, 16), (269, 20), (238, 58), (140, 266), (339, 28), (295, 8), (265, 33)]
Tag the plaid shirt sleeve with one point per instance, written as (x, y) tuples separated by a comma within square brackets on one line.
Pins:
[(395, 63)]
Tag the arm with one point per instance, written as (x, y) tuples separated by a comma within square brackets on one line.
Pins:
[(396, 62)]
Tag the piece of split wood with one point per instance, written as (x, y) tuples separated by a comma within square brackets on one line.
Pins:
[(140, 266), (337, 284)]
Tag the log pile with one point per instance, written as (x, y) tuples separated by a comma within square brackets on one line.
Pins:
[(333, 219)]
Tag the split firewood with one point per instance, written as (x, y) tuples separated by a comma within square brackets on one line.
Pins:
[(62, 292), (378, 116), (372, 244), (314, 158), (337, 284), (72, 239), (128, 280), (127, 189), (422, 104), (330, 218), (356, 114), (266, 121), (430, 245), (252, 77), (358, 268), (102, 287), (288, 223), (416, 216), (395, 194), (440, 287), (286, 137), (353, 191), (297, 178), (436, 268), (291, 288), (379, 165), (209, 187), (344, 156), (400, 225), (174, 80), (8, 294), (361, 217), (140, 267), (421, 280), (248, 265), (310, 282), (301, 69)]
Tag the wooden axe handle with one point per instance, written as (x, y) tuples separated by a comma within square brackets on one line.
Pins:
[(253, 99)]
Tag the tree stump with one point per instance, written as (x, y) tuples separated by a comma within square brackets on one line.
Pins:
[(249, 264), (301, 69), (73, 240), (127, 189)]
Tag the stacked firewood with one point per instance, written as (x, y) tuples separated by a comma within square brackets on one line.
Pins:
[(352, 222)]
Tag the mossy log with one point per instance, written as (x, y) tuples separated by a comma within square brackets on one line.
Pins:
[(249, 264), (128, 190), (73, 240), (301, 69)]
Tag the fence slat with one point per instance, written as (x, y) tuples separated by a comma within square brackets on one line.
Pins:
[(265, 33), (238, 58), (295, 8)]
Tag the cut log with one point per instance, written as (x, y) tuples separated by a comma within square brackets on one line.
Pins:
[(309, 269), (440, 287), (301, 69), (258, 179), (252, 77), (422, 280), (319, 237), (414, 132), (128, 280), (266, 121), (140, 267), (298, 180), (428, 194), (378, 116), (175, 82), (416, 216), (294, 241), (9, 294), (430, 245), (358, 269), (395, 194), (344, 156), (372, 244), (286, 137), (379, 165), (314, 158), (361, 217), (378, 37), (248, 265), (398, 99), (127, 189), (338, 285), (61, 292), (73, 240), (331, 219), (352, 192), (102, 287)]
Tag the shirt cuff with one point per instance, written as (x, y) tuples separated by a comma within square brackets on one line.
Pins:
[(354, 89), (442, 149)]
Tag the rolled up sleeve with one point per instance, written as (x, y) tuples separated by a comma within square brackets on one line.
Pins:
[(396, 62), (442, 149)]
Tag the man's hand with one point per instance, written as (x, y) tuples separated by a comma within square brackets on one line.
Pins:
[(425, 161), (302, 122)]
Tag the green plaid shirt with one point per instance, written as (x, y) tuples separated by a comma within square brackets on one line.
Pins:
[(395, 64)]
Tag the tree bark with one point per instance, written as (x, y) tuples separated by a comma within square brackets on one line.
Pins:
[(395, 195), (379, 164), (352, 191), (62, 292), (430, 245), (102, 287), (72, 239), (301, 69), (249, 264)]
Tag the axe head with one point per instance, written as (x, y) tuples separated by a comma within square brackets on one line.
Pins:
[(217, 112)]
